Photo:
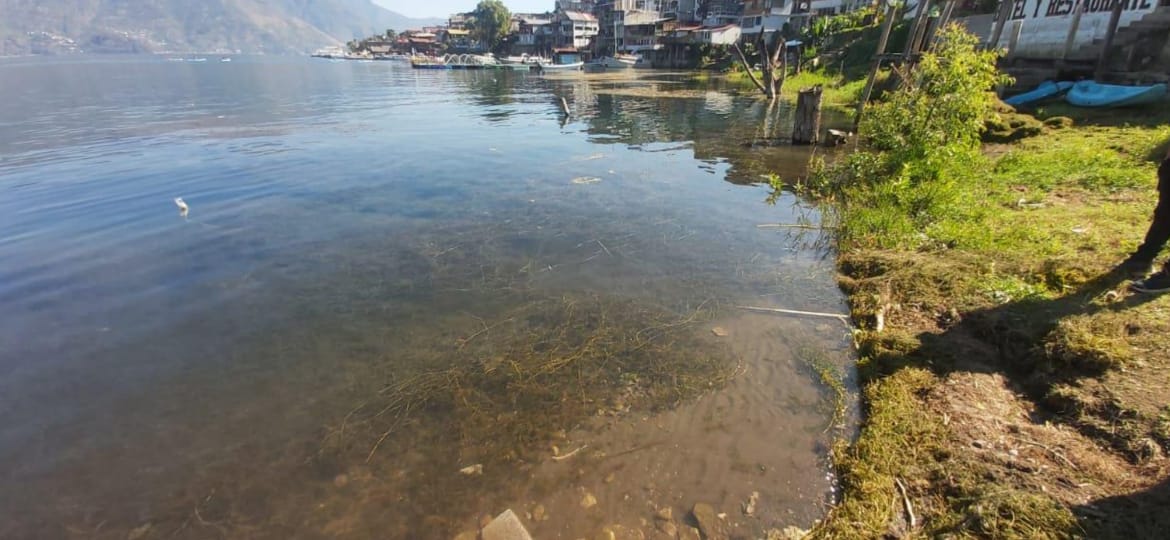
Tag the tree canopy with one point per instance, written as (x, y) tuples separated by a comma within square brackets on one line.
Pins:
[(490, 22)]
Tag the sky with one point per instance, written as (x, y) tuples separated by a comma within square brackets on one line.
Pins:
[(443, 8)]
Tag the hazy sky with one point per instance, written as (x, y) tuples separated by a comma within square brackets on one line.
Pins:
[(443, 8)]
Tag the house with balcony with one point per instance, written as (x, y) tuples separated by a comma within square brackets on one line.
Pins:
[(631, 26), (771, 15), (720, 12), (641, 31), (580, 6), (686, 12), (575, 29), (534, 34)]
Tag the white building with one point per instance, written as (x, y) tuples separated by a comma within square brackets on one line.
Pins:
[(1039, 28), (728, 34), (576, 29)]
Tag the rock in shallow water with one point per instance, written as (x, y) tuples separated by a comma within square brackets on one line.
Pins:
[(708, 522), (506, 526)]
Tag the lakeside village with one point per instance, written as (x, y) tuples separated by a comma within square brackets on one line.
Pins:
[(1012, 378), (576, 35), (1126, 41)]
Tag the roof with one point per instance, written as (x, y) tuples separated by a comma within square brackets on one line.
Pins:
[(457, 32), (721, 28), (579, 16)]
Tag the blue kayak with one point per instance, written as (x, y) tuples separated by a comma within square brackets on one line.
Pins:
[(1046, 90), (1093, 94)]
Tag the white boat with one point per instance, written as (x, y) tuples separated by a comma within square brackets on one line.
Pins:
[(574, 66), (619, 61), (329, 52), (523, 59)]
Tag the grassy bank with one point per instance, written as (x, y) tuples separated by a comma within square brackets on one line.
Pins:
[(838, 91), (1013, 387)]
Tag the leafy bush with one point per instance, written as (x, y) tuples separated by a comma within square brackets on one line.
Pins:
[(923, 142)]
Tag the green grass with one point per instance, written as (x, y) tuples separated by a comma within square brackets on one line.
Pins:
[(1031, 222), (837, 90)]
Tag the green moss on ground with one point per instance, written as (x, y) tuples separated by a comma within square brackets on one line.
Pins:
[(1013, 291)]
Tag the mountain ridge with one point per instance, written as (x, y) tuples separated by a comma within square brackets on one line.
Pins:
[(184, 26)]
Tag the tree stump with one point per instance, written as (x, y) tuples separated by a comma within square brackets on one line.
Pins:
[(807, 125)]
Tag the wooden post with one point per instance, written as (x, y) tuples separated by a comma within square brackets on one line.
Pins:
[(943, 21), (1001, 17), (1111, 31), (1014, 39), (807, 124), (916, 30), (1075, 25), (891, 14)]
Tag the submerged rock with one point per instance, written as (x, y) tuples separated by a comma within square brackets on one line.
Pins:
[(789, 533), (708, 522), (588, 501), (506, 526), (472, 470), (749, 507)]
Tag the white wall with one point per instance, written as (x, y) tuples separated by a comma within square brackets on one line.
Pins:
[(1045, 24)]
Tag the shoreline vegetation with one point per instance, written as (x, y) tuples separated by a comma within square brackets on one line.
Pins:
[(1012, 386)]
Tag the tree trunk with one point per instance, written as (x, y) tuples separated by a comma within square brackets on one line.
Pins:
[(774, 65), (807, 124)]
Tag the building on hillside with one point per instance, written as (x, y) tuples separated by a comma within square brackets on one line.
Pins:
[(720, 12), (1036, 35), (458, 21), (641, 31), (771, 15), (535, 34), (419, 42), (576, 29), (581, 6), (728, 34), (686, 12), (629, 26)]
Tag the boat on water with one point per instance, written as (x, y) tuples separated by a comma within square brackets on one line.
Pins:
[(524, 59), (427, 62), (1095, 94), (574, 66), (463, 61), (1046, 90), (562, 60), (329, 52), (619, 61)]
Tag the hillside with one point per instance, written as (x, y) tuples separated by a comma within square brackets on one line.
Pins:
[(176, 26)]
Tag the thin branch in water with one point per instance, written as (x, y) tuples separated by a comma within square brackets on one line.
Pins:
[(838, 316)]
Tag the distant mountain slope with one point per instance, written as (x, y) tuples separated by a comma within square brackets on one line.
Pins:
[(160, 26)]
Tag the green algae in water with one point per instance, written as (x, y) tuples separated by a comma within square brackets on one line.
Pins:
[(518, 383)]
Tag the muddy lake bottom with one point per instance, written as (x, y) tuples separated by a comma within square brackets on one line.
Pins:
[(401, 302)]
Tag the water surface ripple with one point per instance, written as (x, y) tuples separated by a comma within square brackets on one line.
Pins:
[(167, 376)]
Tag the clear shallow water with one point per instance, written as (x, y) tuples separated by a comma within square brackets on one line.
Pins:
[(350, 222)]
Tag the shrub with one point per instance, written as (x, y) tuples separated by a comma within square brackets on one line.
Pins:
[(923, 142)]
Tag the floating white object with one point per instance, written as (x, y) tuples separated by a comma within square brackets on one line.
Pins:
[(182, 206), (473, 470)]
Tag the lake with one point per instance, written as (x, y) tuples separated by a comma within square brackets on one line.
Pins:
[(404, 301)]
